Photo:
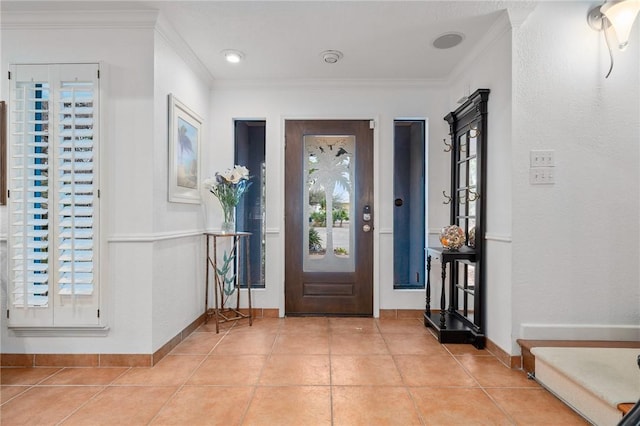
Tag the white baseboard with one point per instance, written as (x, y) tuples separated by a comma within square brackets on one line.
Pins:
[(580, 332)]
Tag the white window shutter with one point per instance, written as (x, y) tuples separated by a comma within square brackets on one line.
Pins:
[(54, 203)]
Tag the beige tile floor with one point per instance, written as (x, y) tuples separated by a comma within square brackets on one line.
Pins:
[(293, 371)]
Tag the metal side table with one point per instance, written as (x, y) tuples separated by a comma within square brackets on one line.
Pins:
[(227, 275)]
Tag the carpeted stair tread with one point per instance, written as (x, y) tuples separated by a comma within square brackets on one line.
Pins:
[(612, 374)]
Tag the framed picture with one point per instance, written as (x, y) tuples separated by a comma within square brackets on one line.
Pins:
[(3, 153), (185, 134)]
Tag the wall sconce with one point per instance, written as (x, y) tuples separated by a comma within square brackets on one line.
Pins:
[(619, 14)]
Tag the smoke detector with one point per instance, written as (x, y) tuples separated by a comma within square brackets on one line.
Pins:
[(331, 56)]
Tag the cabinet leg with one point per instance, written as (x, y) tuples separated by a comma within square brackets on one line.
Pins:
[(206, 283), (216, 286), (247, 258), (443, 298), (428, 286)]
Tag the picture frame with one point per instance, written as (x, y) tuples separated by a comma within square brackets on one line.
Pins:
[(3, 153), (185, 139)]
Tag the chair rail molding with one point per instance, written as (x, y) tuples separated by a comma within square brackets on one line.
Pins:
[(155, 236)]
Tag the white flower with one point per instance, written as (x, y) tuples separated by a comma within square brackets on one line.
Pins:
[(227, 174), (244, 172), (208, 182), (234, 176)]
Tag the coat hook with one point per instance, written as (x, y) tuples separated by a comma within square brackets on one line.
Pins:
[(472, 196), (448, 145), (447, 198)]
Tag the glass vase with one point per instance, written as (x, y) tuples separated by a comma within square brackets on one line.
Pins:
[(228, 225)]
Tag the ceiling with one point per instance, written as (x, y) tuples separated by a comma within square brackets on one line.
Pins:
[(283, 40)]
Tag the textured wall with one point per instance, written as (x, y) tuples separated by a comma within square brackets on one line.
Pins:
[(575, 243)]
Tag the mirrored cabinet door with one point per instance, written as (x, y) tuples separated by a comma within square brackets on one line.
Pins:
[(468, 126)]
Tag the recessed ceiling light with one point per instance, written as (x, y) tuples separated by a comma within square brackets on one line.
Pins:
[(448, 40), (233, 56), (331, 56)]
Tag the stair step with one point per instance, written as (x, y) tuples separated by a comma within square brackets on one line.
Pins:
[(594, 381), (528, 359)]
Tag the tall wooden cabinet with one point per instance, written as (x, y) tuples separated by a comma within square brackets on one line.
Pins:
[(458, 317)]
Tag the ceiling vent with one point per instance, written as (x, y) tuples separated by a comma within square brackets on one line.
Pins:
[(331, 56)]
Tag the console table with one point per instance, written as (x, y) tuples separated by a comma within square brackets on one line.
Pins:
[(227, 273), (451, 324)]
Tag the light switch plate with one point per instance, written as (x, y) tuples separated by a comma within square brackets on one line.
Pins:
[(542, 158), (542, 175)]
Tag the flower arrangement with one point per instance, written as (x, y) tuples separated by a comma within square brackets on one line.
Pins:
[(452, 237), (229, 187)]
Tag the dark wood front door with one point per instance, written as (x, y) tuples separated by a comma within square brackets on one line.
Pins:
[(328, 217)]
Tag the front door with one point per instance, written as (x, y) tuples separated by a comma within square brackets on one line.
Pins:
[(328, 217)]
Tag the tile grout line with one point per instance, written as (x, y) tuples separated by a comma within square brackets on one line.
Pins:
[(190, 375), (30, 385), (511, 419), (404, 384), (264, 365), (479, 385), (482, 388), (331, 414), (82, 405), (104, 387)]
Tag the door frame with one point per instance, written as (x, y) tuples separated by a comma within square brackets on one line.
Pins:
[(376, 202)]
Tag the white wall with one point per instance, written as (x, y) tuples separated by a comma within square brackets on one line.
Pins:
[(178, 254), (575, 243), (382, 102), (153, 283), (127, 171)]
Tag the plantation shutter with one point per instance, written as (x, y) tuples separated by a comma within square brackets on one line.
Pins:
[(53, 196), (29, 272)]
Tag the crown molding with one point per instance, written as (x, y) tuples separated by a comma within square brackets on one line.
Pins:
[(77, 19), (108, 19), (511, 18), (172, 37), (499, 28), (520, 11), (330, 83)]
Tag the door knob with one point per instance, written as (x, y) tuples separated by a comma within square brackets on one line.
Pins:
[(366, 228)]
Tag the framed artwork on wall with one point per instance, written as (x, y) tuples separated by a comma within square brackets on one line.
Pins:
[(185, 134), (3, 153)]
